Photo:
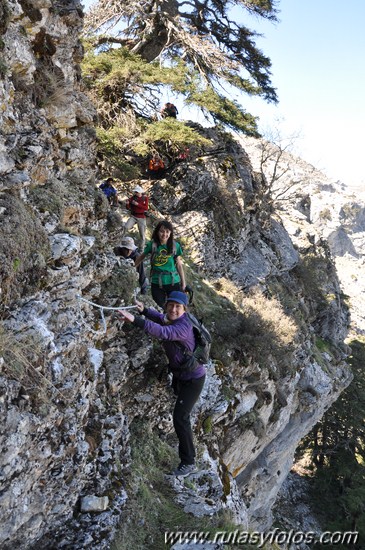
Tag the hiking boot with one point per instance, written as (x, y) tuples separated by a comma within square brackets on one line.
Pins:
[(184, 470)]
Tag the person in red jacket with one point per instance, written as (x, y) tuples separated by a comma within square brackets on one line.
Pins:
[(138, 206), (156, 167)]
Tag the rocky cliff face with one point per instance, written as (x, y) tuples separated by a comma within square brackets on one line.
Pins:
[(73, 382)]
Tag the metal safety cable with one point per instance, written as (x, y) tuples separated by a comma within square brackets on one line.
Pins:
[(102, 308)]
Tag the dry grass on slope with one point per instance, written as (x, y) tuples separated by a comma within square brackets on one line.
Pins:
[(245, 327)]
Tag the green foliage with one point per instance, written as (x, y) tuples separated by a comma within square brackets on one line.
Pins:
[(126, 90), (120, 78), (215, 48), (16, 264), (337, 448), (208, 425), (111, 143), (224, 110), (170, 134), (322, 345), (123, 81), (119, 69)]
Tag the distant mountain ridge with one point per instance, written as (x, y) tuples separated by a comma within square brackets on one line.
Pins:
[(318, 207)]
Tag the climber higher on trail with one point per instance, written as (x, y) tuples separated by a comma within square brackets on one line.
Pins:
[(109, 191), (138, 206), (128, 250), (156, 167), (169, 109)]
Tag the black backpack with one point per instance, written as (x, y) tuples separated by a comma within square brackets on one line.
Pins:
[(203, 341)]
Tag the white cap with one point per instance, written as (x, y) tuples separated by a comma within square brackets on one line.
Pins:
[(138, 189), (127, 242)]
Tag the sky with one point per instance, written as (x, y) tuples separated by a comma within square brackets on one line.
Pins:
[(317, 50)]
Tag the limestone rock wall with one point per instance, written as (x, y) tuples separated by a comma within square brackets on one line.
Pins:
[(59, 439)]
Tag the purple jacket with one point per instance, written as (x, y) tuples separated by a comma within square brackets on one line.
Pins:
[(176, 331)]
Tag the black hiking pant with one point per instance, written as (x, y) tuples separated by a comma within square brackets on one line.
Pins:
[(160, 294), (156, 174), (187, 392)]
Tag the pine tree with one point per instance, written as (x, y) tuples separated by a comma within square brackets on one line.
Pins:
[(198, 39), (337, 448), (125, 90)]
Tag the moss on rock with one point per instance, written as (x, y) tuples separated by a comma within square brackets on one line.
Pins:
[(49, 198), (24, 248), (121, 284), (4, 16)]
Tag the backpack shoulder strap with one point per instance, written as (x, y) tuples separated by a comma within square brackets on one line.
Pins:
[(199, 326), (153, 252)]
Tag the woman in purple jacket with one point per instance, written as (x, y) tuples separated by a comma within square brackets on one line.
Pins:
[(176, 333)]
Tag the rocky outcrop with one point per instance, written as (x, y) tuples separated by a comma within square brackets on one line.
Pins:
[(72, 380)]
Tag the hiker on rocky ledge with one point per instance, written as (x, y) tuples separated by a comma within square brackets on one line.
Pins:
[(128, 250), (169, 110), (167, 272), (156, 167), (137, 204), (109, 191), (176, 333)]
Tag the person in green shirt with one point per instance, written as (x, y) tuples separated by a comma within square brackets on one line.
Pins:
[(167, 272)]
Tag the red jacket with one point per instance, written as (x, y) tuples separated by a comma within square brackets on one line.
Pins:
[(156, 164), (138, 206)]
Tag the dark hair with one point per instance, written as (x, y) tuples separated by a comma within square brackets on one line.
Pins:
[(156, 238), (109, 180)]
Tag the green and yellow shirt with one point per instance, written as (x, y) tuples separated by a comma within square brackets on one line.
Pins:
[(163, 264)]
